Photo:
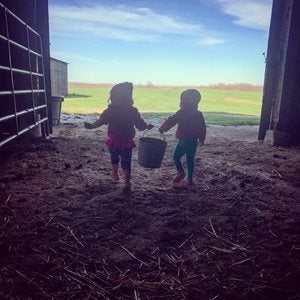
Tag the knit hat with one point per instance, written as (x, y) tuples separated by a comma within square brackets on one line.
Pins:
[(121, 93), (190, 98)]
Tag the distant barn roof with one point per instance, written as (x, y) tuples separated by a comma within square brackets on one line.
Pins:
[(59, 60)]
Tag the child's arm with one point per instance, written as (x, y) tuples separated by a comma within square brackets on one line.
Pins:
[(96, 124), (103, 120), (168, 124), (140, 124)]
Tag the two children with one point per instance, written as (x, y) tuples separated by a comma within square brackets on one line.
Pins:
[(122, 118)]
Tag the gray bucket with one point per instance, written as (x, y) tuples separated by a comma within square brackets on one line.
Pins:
[(151, 152), (56, 109)]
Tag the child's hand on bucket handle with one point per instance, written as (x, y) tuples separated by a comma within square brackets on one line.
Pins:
[(88, 125), (150, 126)]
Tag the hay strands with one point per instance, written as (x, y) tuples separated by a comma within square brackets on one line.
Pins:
[(213, 233), (242, 261), (49, 221), (29, 281), (7, 199), (212, 227), (182, 244), (85, 280), (133, 256), (72, 233), (225, 250), (276, 172), (136, 294)]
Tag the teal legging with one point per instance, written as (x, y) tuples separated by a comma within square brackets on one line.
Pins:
[(188, 148)]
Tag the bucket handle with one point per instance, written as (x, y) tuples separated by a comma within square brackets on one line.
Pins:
[(159, 133)]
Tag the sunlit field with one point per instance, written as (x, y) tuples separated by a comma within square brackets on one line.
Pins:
[(224, 107)]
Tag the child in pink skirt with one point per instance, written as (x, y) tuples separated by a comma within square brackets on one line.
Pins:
[(122, 118)]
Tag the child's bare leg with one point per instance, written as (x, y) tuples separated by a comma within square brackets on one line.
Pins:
[(114, 156), (115, 172), (126, 156), (127, 180)]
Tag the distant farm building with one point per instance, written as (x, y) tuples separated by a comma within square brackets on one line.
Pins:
[(59, 77)]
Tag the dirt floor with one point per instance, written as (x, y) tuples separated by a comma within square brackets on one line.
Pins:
[(68, 232)]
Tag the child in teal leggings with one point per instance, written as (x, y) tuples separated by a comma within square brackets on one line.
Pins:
[(191, 128)]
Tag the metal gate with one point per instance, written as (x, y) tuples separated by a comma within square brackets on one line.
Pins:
[(23, 101)]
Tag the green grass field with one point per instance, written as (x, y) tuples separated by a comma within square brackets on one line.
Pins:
[(221, 107)]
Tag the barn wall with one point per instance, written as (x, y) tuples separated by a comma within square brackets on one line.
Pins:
[(281, 106), (35, 14), (288, 118), (59, 77)]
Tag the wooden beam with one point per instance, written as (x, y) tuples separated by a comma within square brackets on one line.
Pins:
[(273, 63), (288, 119), (281, 100), (43, 29)]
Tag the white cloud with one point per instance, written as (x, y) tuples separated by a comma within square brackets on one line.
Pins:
[(249, 13), (119, 22), (210, 41)]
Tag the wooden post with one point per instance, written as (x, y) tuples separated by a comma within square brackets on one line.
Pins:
[(43, 30), (288, 119), (272, 64), (281, 104)]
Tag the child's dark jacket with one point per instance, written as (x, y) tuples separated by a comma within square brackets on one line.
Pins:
[(121, 121), (191, 124)]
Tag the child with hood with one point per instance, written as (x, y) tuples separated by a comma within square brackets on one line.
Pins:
[(191, 128), (122, 118)]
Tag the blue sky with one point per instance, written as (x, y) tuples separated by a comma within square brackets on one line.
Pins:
[(165, 42)]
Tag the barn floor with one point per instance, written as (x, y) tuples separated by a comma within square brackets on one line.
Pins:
[(68, 232)]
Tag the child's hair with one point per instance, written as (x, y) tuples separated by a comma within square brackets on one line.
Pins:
[(121, 94), (189, 99)]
